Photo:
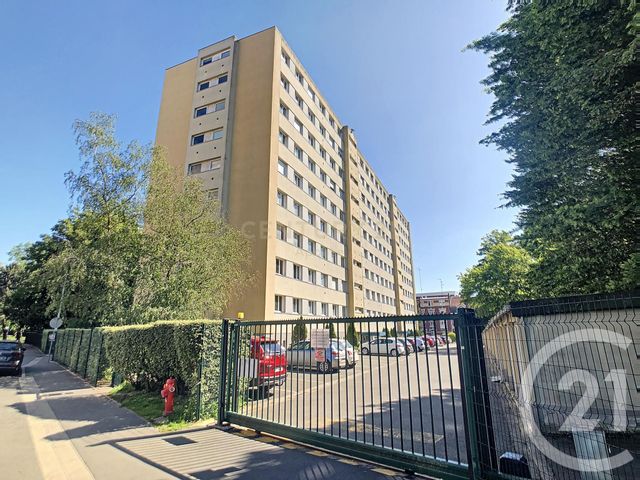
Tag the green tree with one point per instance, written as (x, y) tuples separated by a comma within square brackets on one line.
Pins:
[(99, 265), (194, 261), (24, 298), (299, 332), (564, 75), (332, 330), (502, 275), (352, 335)]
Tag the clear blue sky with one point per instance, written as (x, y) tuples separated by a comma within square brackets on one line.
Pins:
[(393, 71)]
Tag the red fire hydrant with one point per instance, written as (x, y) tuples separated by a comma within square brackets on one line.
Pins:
[(167, 392)]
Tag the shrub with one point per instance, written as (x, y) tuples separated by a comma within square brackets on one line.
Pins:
[(452, 337), (352, 335), (299, 332)]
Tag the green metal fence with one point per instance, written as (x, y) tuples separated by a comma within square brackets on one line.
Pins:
[(562, 389)]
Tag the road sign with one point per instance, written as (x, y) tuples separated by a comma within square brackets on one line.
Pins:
[(55, 323), (320, 355), (52, 336), (320, 338)]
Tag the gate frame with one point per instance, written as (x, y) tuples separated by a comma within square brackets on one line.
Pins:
[(464, 319)]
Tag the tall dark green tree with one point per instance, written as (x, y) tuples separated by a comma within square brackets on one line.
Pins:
[(564, 76)]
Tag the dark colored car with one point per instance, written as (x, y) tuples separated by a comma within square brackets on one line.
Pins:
[(272, 362), (11, 356)]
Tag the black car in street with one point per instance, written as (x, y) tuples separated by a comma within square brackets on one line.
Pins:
[(11, 356)]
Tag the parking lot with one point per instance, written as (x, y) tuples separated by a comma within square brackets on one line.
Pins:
[(410, 403)]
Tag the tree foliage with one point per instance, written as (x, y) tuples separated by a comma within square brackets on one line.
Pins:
[(502, 275), (185, 262), (194, 261), (352, 335), (299, 332), (564, 76)]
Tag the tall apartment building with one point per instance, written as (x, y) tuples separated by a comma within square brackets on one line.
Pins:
[(327, 237)]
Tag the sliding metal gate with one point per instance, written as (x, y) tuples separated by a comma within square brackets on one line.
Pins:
[(347, 386)]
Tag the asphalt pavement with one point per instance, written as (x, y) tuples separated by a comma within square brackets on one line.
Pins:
[(55, 426)]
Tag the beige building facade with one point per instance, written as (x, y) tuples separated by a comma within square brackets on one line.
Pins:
[(327, 238)]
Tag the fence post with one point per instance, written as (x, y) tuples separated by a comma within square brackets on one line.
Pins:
[(477, 409), (222, 391)]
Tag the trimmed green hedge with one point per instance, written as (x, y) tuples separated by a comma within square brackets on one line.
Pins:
[(146, 355)]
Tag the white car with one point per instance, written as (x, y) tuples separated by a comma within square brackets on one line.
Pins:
[(383, 346), (301, 355)]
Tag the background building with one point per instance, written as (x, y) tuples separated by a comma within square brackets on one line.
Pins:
[(327, 238), (438, 303)]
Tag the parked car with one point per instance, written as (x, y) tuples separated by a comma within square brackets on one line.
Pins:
[(418, 344), (352, 355), (408, 347), (272, 362), (430, 341), (302, 355), (11, 356), (383, 346)]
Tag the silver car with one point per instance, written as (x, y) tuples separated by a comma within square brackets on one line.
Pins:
[(301, 355), (384, 346)]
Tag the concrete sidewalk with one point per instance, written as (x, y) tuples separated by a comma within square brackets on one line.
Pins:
[(55, 426)]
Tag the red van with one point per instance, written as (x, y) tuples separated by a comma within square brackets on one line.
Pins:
[(272, 362)]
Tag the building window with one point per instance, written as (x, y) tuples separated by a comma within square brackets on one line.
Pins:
[(284, 110), (213, 107), (311, 246), (312, 166), (311, 190), (283, 167), (299, 77), (297, 272), (297, 151), (207, 136), (195, 168), (212, 82), (281, 232), (325, 309), (284, 139), (215, 57), (324, 280), (296, 305), (279, 303), (311, 218), (297, 239), (280, 267), (312, 276), (285, 59), (312, 307), (324, 253), (323, 226), (336, 310), (297, 208), (297, 180), (298, 124), (282, 199), (285, 83)]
